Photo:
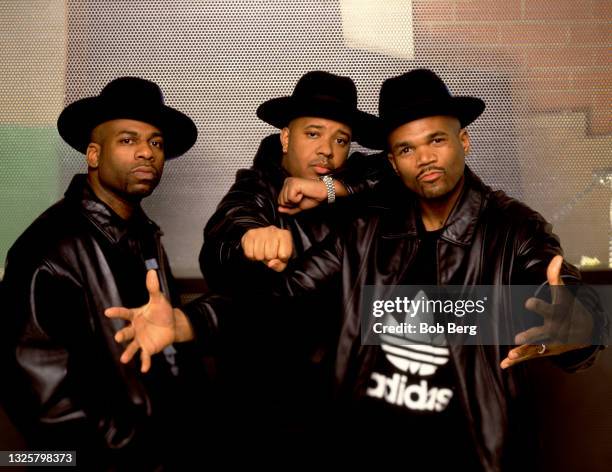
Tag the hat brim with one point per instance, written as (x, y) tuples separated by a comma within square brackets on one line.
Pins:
[(77, 121), (278, 112), (465, 109)]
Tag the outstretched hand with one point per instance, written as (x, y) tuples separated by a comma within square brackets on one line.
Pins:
[(151, 328), (567, 324)]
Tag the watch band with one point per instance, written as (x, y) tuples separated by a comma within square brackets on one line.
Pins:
[(331, 190)]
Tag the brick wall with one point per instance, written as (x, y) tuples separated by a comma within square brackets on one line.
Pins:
[(561, 47)]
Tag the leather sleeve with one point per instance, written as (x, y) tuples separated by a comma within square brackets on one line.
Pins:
[(535, 252), (208, 316), (362, 172), (312, 271), (40, 396), (250, 203), (64, 389), (536, 246)]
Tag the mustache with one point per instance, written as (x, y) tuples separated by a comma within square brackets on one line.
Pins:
[(429, 169), (322, 162)]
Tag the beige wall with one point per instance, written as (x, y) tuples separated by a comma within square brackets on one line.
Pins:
[(33, 57)]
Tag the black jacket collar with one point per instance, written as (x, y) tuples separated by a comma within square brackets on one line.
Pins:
[(102, 216), (461, 223)]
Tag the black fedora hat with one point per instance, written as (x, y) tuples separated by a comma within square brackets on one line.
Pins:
[(418, 94), (324, 95), (127, 98)]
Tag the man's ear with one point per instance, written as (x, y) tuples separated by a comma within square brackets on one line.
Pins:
[(392, 162), (93, 155), (284, 138), (465, 141)]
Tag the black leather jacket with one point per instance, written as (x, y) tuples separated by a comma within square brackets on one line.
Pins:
[(252, 202), (489, 239), (289, 347), (63, 383)]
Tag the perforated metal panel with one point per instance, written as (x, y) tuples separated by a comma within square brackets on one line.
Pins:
[(543, 71), (32, 70)]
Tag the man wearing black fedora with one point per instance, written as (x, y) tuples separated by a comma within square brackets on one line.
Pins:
[(317, 122), (64, 385), (435, 223), (250, 230)]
